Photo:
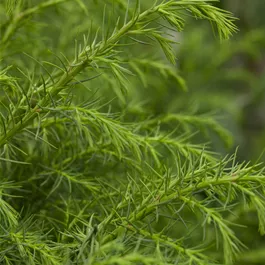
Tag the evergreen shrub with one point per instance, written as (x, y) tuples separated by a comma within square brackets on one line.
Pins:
[(96, 167)]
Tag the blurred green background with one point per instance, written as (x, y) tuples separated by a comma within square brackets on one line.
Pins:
[(229, 77)]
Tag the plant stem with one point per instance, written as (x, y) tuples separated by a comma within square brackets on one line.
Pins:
[(101, 47)]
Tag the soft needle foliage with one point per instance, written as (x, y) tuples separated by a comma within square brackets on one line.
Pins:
[(92, 171)]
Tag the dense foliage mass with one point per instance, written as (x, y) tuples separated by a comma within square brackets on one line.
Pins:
[(106, 156)]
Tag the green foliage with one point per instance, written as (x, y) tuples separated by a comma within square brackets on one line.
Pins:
[(95, 167), (230, 77)]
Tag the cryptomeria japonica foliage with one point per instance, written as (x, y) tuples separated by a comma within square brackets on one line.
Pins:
[(94, 167)]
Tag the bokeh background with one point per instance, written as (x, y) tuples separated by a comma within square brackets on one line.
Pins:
[(229, 77)]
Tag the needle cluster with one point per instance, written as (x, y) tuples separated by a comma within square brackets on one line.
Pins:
[(93, 171)]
